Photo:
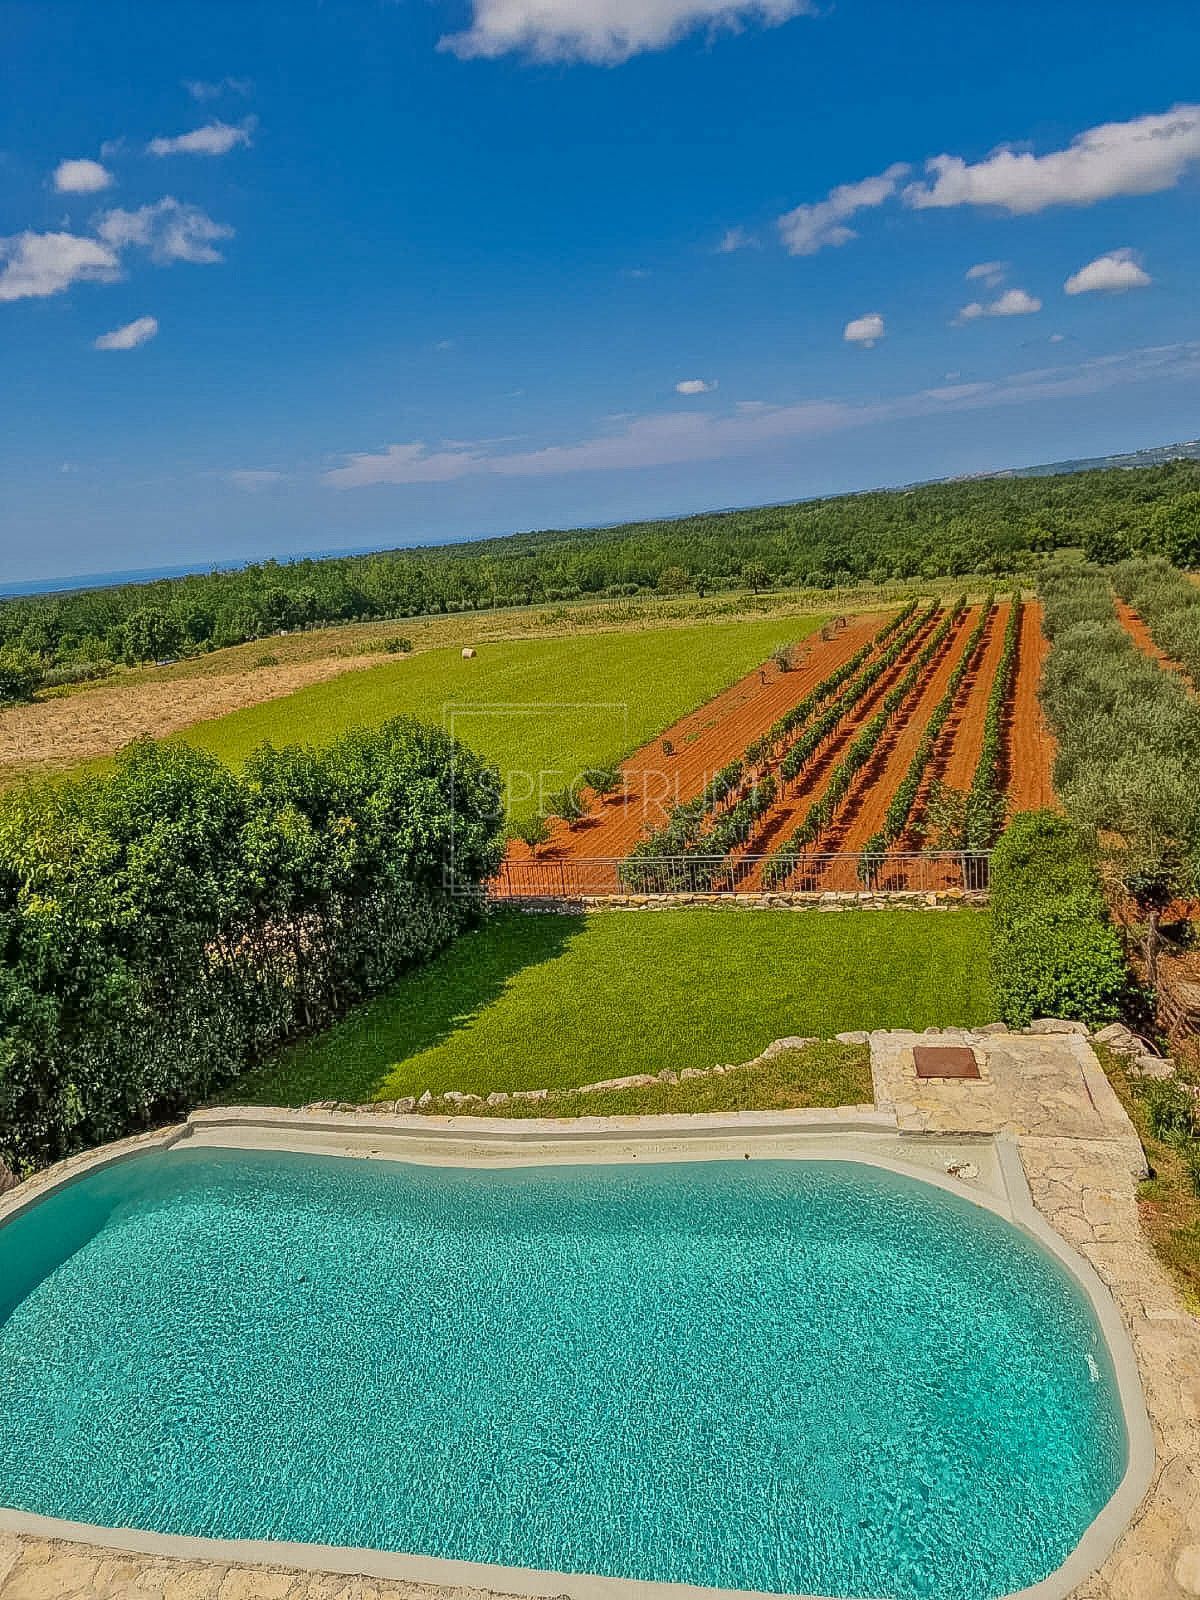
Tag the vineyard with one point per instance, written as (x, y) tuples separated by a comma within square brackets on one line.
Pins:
[(885, 754)]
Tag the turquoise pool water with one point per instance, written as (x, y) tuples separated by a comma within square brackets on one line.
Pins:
[(803, 1377)]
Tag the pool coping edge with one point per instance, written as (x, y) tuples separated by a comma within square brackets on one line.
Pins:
[(1016, 1205)]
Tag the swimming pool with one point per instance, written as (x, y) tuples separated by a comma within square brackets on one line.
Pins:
[(804, 1377)]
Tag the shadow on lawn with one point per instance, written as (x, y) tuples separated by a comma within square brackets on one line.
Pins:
[(352, 1060)]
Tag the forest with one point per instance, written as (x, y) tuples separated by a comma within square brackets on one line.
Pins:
[(994, 527)]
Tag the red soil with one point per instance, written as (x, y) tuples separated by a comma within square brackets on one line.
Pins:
[(1140, 634), (721, 731), (783, 817), (867, 804), (704, 741), (1030, 753), (957, 754)]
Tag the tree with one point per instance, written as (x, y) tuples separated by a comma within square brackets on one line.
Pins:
[(603, 781), (533, 831), (567, 805), (755, 576), (20, 674)]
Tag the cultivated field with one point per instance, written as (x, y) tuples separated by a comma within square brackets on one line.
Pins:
[(554, 1001), (542, 709), (67, 726), (854, 749)]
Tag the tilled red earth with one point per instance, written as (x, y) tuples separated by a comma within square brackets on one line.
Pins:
[(1141, 636), (700, 745), (676, 766)]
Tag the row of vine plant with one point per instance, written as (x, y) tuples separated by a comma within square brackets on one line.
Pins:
[(730, 792), (985, 807), (821, 814), (895, 823)]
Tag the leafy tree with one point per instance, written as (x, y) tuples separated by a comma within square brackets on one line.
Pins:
[(20, 674), (533, 831), (755, 576), (567, 805)]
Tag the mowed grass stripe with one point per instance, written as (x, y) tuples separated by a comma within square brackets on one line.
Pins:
[(558, 705), (554, 1001)]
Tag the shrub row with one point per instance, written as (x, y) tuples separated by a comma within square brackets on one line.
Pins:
[(807, 746), (984, 814), (1128, 750), (682, 830), (824, 809), (164, 925), (900, 809), (771, 744), (1055, 952)]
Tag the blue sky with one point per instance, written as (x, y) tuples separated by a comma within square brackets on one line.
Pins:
[(300, 277)]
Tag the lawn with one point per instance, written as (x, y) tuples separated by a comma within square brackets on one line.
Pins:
[(555, 1001), (541, 709)]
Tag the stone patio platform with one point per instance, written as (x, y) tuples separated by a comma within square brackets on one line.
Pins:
[(1083, 1163)]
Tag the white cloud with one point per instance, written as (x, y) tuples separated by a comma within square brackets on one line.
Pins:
[(33, 265), (1143, 156), (1112, 273), (134, 333), (671, 438), (865, 331), (254, 478), (990, 273), (168, 229), (695, 386), (603, 32), (81, 177), (1012, 303), (735, 239), (203, 89), (403, 463), (214, 139), (1057, 338), (809, 228)]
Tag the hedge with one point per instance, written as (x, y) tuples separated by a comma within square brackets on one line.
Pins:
[(1055, 952), (165, 925)]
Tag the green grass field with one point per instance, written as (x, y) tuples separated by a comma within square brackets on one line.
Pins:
[(541, 709), (556, 1001)]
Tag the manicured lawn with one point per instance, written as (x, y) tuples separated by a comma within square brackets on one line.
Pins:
[(541, 709), (555, 1001), (824, 1074)]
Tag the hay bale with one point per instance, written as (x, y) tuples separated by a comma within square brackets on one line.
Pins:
[(468, 652)]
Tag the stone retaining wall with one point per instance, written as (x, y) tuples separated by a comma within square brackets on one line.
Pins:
[(829, 900)]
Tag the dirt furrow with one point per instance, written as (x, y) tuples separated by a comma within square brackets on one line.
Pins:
[(867, 804), (791, 808), (703, 742), (1144, 639), (957, 754)]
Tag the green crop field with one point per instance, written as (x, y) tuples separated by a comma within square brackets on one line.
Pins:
[(541, 709), (555, 1001)]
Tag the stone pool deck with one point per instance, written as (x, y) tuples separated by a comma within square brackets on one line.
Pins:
[(1083, 1164)]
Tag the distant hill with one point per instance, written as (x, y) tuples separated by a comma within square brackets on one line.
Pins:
[(1189, 450)]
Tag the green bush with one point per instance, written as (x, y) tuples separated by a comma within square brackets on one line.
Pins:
[(1054, 950), (166, 924), (1170, 1108), (20, 674)]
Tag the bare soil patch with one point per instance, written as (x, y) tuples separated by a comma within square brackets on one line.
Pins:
[(51, 735)]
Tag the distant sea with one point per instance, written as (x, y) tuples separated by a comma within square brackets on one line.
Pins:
[(108, 580)]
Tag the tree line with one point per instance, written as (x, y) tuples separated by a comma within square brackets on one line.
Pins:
[(165, 925), (994, 526)]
